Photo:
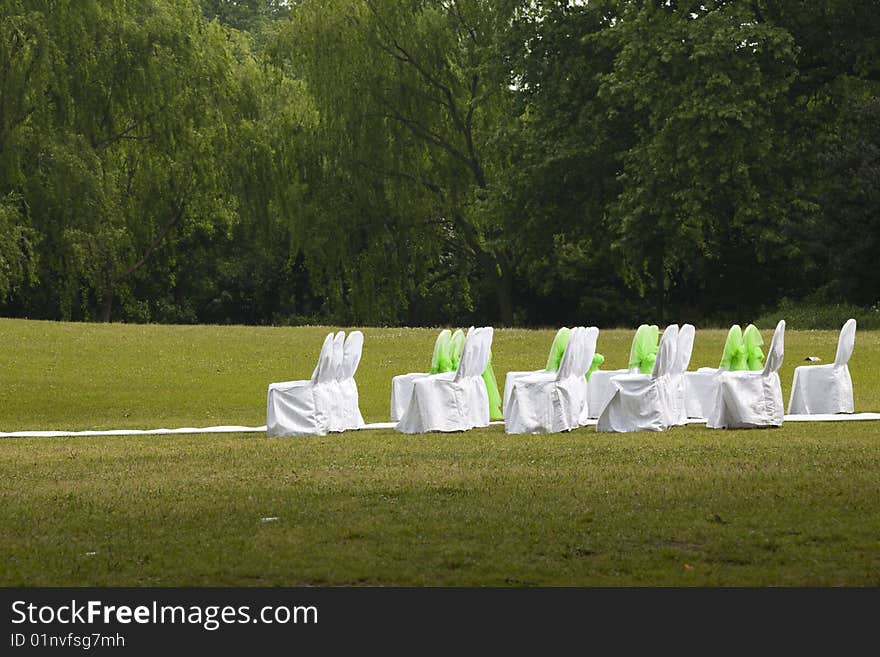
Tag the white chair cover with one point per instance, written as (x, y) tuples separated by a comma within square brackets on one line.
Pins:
[(512, 376), (700, 388), (549, 402), (441, 402), (303, 408), (684, 348), (644, 402), (349, 416), (749, 399), (402, 384), (328, 396), (600, 389), (826, 389)]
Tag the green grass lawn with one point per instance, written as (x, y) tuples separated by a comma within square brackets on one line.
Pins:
[(799, 505)]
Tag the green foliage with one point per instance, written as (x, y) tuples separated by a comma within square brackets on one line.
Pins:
[(407, 96), (820, 315), (387, 162), (17, 248)]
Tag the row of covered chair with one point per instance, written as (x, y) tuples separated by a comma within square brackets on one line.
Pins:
[(654, 393)]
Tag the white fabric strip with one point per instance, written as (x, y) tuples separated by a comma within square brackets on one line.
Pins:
[(376, 425)]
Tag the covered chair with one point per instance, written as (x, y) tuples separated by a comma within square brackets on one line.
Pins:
[(304, 408), (644, 402), (453, 401), (700, 386), (683, 350), (441, 361), (745, 399), (554, 358), (642, 354), (348, 409), (826, 388), (456, 344), (549, 402)]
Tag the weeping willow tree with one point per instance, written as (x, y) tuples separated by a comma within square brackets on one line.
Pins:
[(113, 140), (409, 97)]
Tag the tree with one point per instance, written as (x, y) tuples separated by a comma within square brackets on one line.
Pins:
[(117, 144), (409, 95)]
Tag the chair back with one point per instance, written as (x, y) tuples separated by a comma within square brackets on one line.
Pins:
[(665, 361), (324, 370), (338, 353), (573, 354), (557, 349), (752, 342), (777, 350), (588, 350), (351, 354), (456, 346), (476, 352), (845, 343), (733, 354), (683, 348), (643, 350), (441, 358)]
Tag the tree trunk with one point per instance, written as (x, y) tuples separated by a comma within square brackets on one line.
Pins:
[(660, 287), (496, 266), (504, 291), (107, 305)]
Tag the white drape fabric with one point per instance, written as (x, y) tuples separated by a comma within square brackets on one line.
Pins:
[(549, 402), (452, 401), (825, 389), (700, 388), (683, 350), (600, 389), (644, 402), (304, 408), (349, 412), (748, 399), (402, 384), (513, 376)]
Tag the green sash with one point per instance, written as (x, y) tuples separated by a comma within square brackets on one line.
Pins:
[(492, 389), (643, 351), (456, 344), (734, 355), (754, 354), (447, 355), (440, 361), (598, 359), (557, 349)]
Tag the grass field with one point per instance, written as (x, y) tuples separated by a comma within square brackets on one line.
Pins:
[(799, 505)]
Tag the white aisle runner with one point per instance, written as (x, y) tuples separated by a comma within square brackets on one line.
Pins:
[(855, 417)]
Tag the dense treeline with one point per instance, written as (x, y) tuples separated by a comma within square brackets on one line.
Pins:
[(444, 161)]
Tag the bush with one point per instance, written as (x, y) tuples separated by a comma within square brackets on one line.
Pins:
[(806, 315)]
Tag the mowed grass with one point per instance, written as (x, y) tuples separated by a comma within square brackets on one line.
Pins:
[(794, 506)]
